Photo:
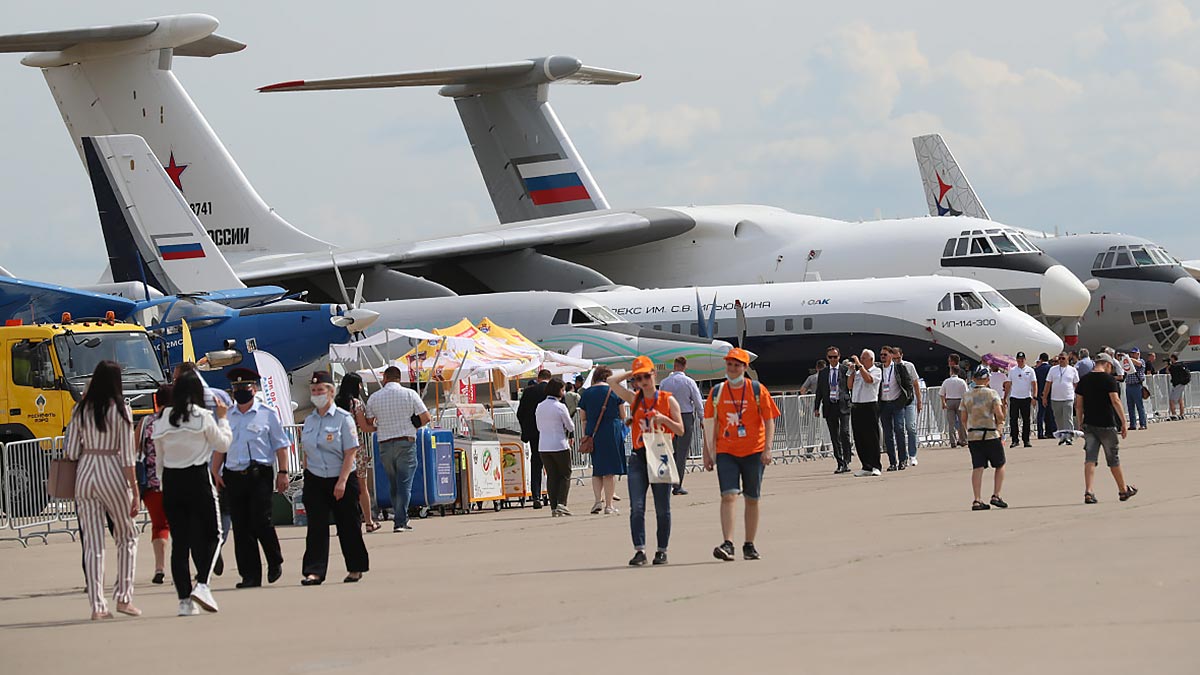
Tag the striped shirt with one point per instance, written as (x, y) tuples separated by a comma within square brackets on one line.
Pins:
[(118, 435)]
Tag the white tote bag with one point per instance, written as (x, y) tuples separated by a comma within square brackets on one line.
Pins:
[(660, 457)]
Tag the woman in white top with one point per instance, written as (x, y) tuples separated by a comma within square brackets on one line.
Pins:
[(185, 438), (554, 426)]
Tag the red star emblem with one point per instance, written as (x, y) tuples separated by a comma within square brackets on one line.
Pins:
[(173, 170), (942, 187)]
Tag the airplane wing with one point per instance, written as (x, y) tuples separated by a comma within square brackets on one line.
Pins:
[(596, 231), (1192, 267), (32, 301)]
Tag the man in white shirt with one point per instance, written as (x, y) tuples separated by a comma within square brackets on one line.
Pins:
[(1059, 394), (999, 382), (1022, 389), (953, 389), (390, 413), (864, 412)]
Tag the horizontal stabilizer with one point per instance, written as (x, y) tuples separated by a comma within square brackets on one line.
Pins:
[(470, 80), (34, 301), (186, 34)]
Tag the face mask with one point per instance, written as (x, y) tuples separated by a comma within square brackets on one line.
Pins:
[(243, 396), (319, 400), (738, 381)]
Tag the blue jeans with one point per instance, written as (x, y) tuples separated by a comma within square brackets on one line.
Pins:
[(910, 425), (891, 417), (399, 460), (639, 481), (1134, 403)]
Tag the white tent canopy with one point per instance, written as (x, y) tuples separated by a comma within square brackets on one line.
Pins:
[(349, 351)]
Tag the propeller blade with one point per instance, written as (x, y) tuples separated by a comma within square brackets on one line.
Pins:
[(701, 327), (358, 291), (741, 323), (712, 317), (337, 271)]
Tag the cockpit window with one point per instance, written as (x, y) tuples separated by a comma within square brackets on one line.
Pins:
[(996, 300), (1122, 259), (602, 314), (1142, 257), (561, 317), (960, 302), (1133, 256), (580, 317), (192, 309), (987, 242)]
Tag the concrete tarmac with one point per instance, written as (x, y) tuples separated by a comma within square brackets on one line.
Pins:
[(859, 575)]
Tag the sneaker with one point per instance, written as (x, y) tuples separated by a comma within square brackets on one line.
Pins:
[(838, 470), (202, 596), (876, 472), (562, 510), (407, 528), (679, 492), (660, 558), (537, 503), (1028, 444), (611, 510), (863, 472), (158, 578), (555, 513), (749, 552), (892, 467), (638, 559), (912, 461), (597, 507), (397, 528), (188, 608), (999, 503), (724, 551)]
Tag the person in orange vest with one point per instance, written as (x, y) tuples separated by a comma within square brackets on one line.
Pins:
[(739, 429)]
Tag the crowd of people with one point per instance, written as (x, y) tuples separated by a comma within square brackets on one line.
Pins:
[(206, 463)]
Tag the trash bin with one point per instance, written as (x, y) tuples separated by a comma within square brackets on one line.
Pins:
[(434, 482)]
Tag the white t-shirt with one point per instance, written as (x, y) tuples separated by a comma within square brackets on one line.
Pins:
[(954, 388), (999, 377), (889, 384), (1022, 380), (863, 391), (1062, 380)]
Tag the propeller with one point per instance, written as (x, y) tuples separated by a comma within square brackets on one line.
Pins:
[(704, 327), (354, 318), (741, 332)]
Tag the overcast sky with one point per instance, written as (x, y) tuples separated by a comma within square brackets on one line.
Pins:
[(1076, 116)]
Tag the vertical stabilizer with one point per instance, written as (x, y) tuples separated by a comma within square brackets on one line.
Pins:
[(529, 164), (947, 190), (150, 232), (118, 80)]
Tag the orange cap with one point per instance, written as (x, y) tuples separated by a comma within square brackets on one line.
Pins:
[(738, 355), (642, 364)]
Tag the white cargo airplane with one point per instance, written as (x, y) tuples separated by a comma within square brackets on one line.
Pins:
[(930, 317), (1141, 295), (118, 79)]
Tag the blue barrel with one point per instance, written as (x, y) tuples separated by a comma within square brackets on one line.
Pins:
[(435, 481)]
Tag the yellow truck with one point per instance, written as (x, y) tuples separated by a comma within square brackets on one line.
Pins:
[(44, 369)]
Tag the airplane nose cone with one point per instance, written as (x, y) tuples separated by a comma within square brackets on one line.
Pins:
[(1184, 302), (1063, 294)]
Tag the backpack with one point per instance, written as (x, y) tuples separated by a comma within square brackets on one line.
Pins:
[(716, 396)]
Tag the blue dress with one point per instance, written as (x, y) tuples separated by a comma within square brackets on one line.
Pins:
[(608, 446)]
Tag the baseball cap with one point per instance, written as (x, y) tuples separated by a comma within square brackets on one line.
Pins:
[(642, 364), (981, 372), (737, 354), (1103, 357), (1134, 350), (1020, 355)]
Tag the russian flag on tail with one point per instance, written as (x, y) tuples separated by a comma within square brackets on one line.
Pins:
[(180, 251), (552, 181)]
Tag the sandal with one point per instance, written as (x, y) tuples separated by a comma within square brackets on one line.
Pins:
[(1129, 492), (371, 527), (129, 610), (999, 503), (1089, 498), (979, 506)]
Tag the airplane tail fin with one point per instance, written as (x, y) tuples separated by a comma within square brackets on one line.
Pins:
[(529, 164), (946, 187), (118, 80), (151, 233)]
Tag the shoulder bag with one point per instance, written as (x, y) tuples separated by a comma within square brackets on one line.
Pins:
[(586, 444)]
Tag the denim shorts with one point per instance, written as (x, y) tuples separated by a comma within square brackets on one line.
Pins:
[(1107, 437), (740, 474)]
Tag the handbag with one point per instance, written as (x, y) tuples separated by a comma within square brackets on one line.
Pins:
[(660, 457), (586, 444), (1145, 392), (61, 484)]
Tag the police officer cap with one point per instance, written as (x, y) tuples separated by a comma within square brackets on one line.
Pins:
[(243, 376), (322, 377), (981, 372)]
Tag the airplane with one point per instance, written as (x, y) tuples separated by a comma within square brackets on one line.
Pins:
[(1141, 295), (143, 216), (930, 317), (93, 73)]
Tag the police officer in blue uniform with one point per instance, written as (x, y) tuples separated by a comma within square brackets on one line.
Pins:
[(329, 441), (255, 465)]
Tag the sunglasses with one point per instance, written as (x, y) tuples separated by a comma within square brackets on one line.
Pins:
[(832, 356)]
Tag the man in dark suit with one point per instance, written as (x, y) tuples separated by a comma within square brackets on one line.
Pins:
[(832, 402), (534, 394)]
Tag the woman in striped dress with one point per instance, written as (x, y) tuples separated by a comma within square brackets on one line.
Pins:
[(100, 436)]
